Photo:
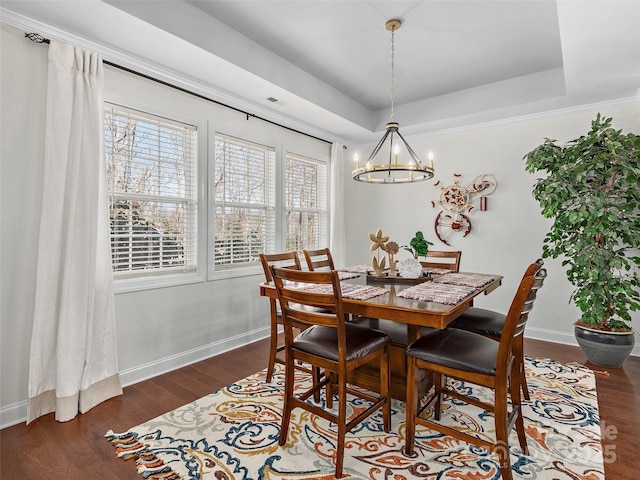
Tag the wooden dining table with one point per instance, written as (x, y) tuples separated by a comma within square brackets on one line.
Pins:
[(409, 315)]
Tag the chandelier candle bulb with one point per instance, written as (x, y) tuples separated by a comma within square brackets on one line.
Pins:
[(430, 157)]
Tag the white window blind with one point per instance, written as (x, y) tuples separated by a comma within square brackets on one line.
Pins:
[(244, 197), (151, 171), (305, 203)]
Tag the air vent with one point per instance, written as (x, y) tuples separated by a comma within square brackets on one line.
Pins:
[(272, 100)]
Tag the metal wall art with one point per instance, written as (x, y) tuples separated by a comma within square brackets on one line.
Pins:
[(456, 202)]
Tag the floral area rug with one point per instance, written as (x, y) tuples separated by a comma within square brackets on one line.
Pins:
[(233, 434)]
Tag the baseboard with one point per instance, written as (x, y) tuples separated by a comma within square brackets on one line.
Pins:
[(168, 364), (13, 414), (564, 338), (17, 413)]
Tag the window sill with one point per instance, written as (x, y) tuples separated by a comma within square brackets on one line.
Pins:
[(236, 272), (126, 285)]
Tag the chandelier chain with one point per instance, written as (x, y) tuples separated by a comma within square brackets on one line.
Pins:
[(393, 66)]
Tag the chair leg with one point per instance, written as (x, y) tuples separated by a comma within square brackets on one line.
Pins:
[(287, 405), (502, 435), (411, 406), (385, 385), (518, 351), (438, 378), (273, 349), (516, 402), (330, 391), (315, 377), (342, 423), (505, 470)]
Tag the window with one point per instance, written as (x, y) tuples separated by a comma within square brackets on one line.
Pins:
[(245, 219), (151, 174), (305, 203), (244, 203)]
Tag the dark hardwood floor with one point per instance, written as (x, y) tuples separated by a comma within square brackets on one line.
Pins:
[(77, 450)]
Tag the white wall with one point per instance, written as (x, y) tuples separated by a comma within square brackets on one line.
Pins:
[(23, 74), (507, 236), (157, 329)]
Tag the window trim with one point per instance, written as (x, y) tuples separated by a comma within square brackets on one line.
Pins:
[(250, 137), (153, 280), (323, 240)]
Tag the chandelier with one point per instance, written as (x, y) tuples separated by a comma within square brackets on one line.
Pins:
[(384, 164)]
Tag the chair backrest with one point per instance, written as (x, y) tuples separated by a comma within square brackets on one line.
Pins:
[(533, 268), (288, 260), (518, 314), (441, 259), (319, 302), (318, 258)]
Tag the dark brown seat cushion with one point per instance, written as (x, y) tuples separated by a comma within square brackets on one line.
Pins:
[(480, 320), (457, 349), (323, 341)]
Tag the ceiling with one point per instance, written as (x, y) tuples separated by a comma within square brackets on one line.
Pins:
[(328, 63)]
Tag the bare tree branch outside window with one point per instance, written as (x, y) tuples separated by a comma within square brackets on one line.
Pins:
[(150, 172)]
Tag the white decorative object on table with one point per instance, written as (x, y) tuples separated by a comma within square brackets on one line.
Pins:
[(410, 268)]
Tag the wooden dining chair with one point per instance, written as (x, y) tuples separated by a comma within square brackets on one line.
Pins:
[(331, 344), (491, 323), (289, 260), (441, 259), (318, 259), (479, 360)]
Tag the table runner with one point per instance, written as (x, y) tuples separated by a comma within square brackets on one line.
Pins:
[(349, 290), (345, 275), (475, 280), (357, 269), (446, 294), (435, 271)]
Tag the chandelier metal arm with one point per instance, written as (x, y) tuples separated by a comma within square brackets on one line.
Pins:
[(413, 154), (378, 147)]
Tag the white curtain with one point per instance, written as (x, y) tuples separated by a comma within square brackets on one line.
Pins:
[(73, 364), (337, 226)]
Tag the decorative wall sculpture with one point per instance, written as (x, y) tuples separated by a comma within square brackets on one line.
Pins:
[(456, 202)]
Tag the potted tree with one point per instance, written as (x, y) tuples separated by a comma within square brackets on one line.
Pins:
[(592, 193)]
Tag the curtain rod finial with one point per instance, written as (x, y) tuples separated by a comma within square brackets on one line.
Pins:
[(37, 38)]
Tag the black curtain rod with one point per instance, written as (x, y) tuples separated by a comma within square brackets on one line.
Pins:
[(37, 38)]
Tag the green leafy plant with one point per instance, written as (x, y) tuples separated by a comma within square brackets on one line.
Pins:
[(418, 246), (592, 193)]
